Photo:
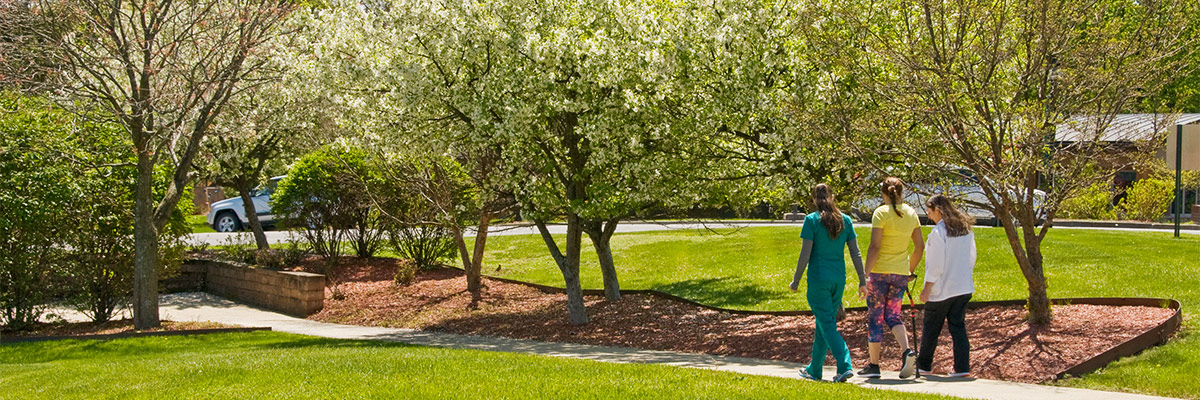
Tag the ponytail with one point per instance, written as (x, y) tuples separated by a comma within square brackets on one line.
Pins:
[(831, 216), (957, 222), (893, 189)]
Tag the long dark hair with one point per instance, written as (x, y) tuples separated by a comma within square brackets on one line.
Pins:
[(893, 190), (957, 222), (831, 216)]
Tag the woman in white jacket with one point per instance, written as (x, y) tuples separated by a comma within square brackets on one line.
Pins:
[(949, 262)]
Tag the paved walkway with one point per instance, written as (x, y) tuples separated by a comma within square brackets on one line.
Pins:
[(206, 307)]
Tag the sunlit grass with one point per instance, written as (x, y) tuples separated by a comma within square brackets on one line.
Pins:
[(750, 269), (282, 366), (199, 224)]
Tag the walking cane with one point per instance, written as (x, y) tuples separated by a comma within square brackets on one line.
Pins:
[(912, 306)]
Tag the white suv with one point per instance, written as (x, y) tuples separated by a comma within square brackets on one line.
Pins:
[(230, 216)]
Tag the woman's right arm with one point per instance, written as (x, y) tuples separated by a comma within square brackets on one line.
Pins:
[(801, 264), (873, 249)]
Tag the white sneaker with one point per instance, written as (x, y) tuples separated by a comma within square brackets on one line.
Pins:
[(960, 374), (923, 372), (908, 364)]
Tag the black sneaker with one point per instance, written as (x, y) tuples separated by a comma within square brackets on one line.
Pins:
[(871, 371), (908, 364)]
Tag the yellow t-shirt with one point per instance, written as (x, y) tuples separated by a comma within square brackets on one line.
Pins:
[(897, 233)]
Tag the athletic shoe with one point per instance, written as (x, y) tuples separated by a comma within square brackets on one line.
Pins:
[(908, 364), (842, 377), (923, 371), (804, 374), (960, 374), (871, 371)]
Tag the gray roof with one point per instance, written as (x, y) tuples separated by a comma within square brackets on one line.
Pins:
[(1122, 128)]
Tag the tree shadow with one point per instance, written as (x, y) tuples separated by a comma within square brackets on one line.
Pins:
[(724, 292), (162, 346)]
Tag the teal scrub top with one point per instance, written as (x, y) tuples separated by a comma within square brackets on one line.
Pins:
[(827, 263)]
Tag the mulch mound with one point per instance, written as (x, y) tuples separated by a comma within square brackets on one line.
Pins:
[(1003, 346), (108, 328)]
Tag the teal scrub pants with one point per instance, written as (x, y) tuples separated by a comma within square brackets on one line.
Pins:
[(824, 299)]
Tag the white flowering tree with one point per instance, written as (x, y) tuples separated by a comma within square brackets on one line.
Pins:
[(577, 97), (777, 91)]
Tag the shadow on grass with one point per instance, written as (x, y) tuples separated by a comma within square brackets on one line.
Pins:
[(163, 346), (725, 292)]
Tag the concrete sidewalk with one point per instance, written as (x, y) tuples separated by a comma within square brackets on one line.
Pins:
[(206, 307)]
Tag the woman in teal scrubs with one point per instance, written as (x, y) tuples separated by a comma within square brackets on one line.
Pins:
[(826, 233)]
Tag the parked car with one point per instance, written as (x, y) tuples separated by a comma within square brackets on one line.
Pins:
[(963, 186), (229, 215)]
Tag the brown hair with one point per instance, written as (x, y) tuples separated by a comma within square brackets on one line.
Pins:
[(893, 190), (957, 222), (831, 216)]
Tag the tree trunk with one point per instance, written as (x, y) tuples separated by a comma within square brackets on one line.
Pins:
[(1029, 259), (475, 270), (251, 212), (145, 244), (459, 242), (1039, 302), (569, 265), (601, 241), (472, 265)]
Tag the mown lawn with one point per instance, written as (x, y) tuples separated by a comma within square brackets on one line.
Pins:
[(267, 365), (750, 269), (199, 224)]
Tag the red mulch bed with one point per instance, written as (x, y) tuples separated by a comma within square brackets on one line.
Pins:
[(1002, 345)]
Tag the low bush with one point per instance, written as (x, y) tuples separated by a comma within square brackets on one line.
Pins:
[(1095, 202), (1148, 199), (269, 259), (280, 258), (406, 271), (239, 248), (425, 245)]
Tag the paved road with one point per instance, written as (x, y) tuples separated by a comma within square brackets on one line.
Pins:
[(206, 307), (217, 239)]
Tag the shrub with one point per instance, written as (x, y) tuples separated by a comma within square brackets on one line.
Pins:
[(425, 245), (325, 195), (239, 248), (283, 257), (269, 259), (1094, 202), (406, 271), (1148, 199), (35, 202), (293, 253)]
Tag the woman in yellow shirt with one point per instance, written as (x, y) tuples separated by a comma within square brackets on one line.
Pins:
[(889, 268)]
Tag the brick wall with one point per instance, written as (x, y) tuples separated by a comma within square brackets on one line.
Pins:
[(293, 293)]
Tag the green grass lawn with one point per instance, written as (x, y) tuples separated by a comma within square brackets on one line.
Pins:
[(199, 224), (750, 269), (282, 366)]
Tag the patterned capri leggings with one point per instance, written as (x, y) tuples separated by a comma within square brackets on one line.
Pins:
[(883, 304)]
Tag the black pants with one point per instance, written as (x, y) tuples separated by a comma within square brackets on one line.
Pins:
[(953, 311)]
